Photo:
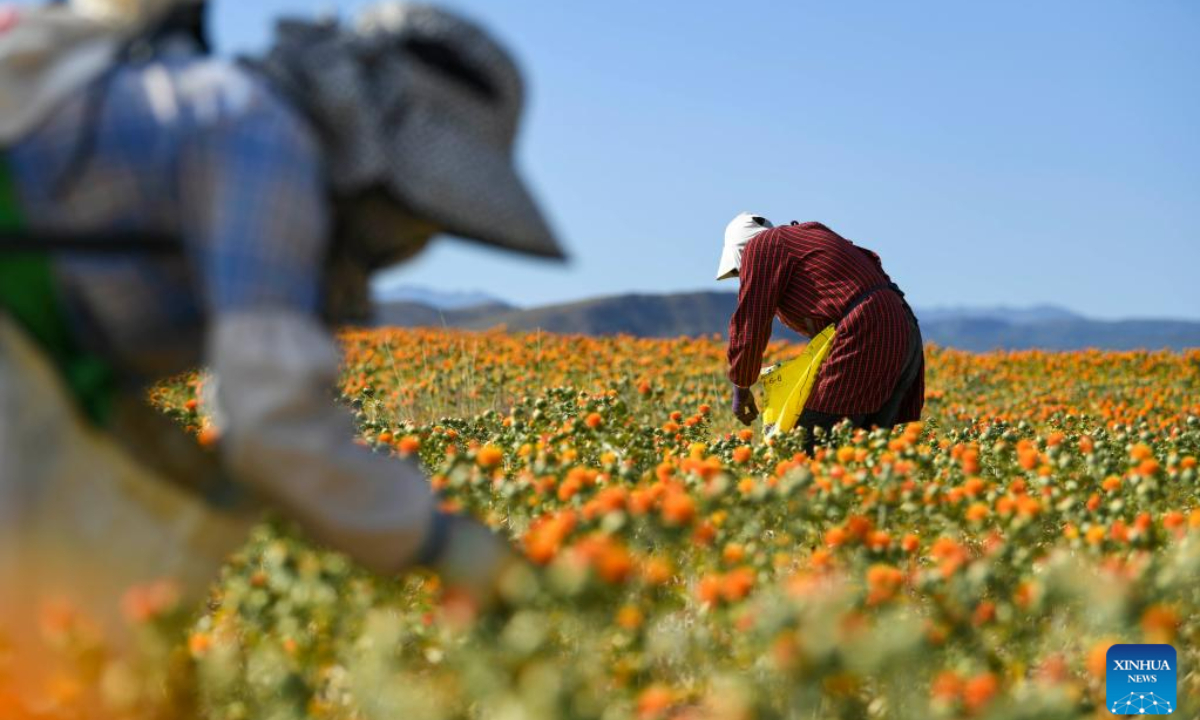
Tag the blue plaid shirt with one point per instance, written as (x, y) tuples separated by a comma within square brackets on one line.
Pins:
[(194, 148)]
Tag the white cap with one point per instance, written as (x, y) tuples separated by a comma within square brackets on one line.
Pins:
[(737, 236)]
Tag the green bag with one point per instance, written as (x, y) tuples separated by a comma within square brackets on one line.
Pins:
[(29, 295)]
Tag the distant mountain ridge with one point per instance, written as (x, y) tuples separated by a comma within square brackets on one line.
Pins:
[(400, 292), (704, 313), (1015, 316)]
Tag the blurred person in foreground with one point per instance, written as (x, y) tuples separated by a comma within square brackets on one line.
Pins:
[(810, 277), (164, 209)]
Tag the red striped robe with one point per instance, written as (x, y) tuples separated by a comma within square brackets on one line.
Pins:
[(809, 275)]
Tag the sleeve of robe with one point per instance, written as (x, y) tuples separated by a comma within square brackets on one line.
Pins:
[(258, 231), (763, 276)]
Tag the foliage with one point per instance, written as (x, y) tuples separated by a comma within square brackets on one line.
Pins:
[(978, 564)]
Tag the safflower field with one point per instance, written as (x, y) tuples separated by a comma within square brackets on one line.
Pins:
[(975, 565)]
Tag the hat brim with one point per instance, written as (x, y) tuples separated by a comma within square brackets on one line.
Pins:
[(729, 266), (471, 190)]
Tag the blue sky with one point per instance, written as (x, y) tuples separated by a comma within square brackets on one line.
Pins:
[(1005, 152)]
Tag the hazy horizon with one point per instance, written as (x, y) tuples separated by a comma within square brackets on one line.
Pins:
[(387, 288)]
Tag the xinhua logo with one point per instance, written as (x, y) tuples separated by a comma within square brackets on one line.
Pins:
[(1141, 679)]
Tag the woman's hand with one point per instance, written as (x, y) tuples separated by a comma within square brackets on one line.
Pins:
[(744, 407)]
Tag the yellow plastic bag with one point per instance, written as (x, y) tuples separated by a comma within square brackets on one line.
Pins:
[(788, 385)]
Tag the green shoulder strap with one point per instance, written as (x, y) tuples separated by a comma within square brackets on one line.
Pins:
[(28, 294)]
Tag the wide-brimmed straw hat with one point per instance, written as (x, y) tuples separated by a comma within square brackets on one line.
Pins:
[(424, 104)]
